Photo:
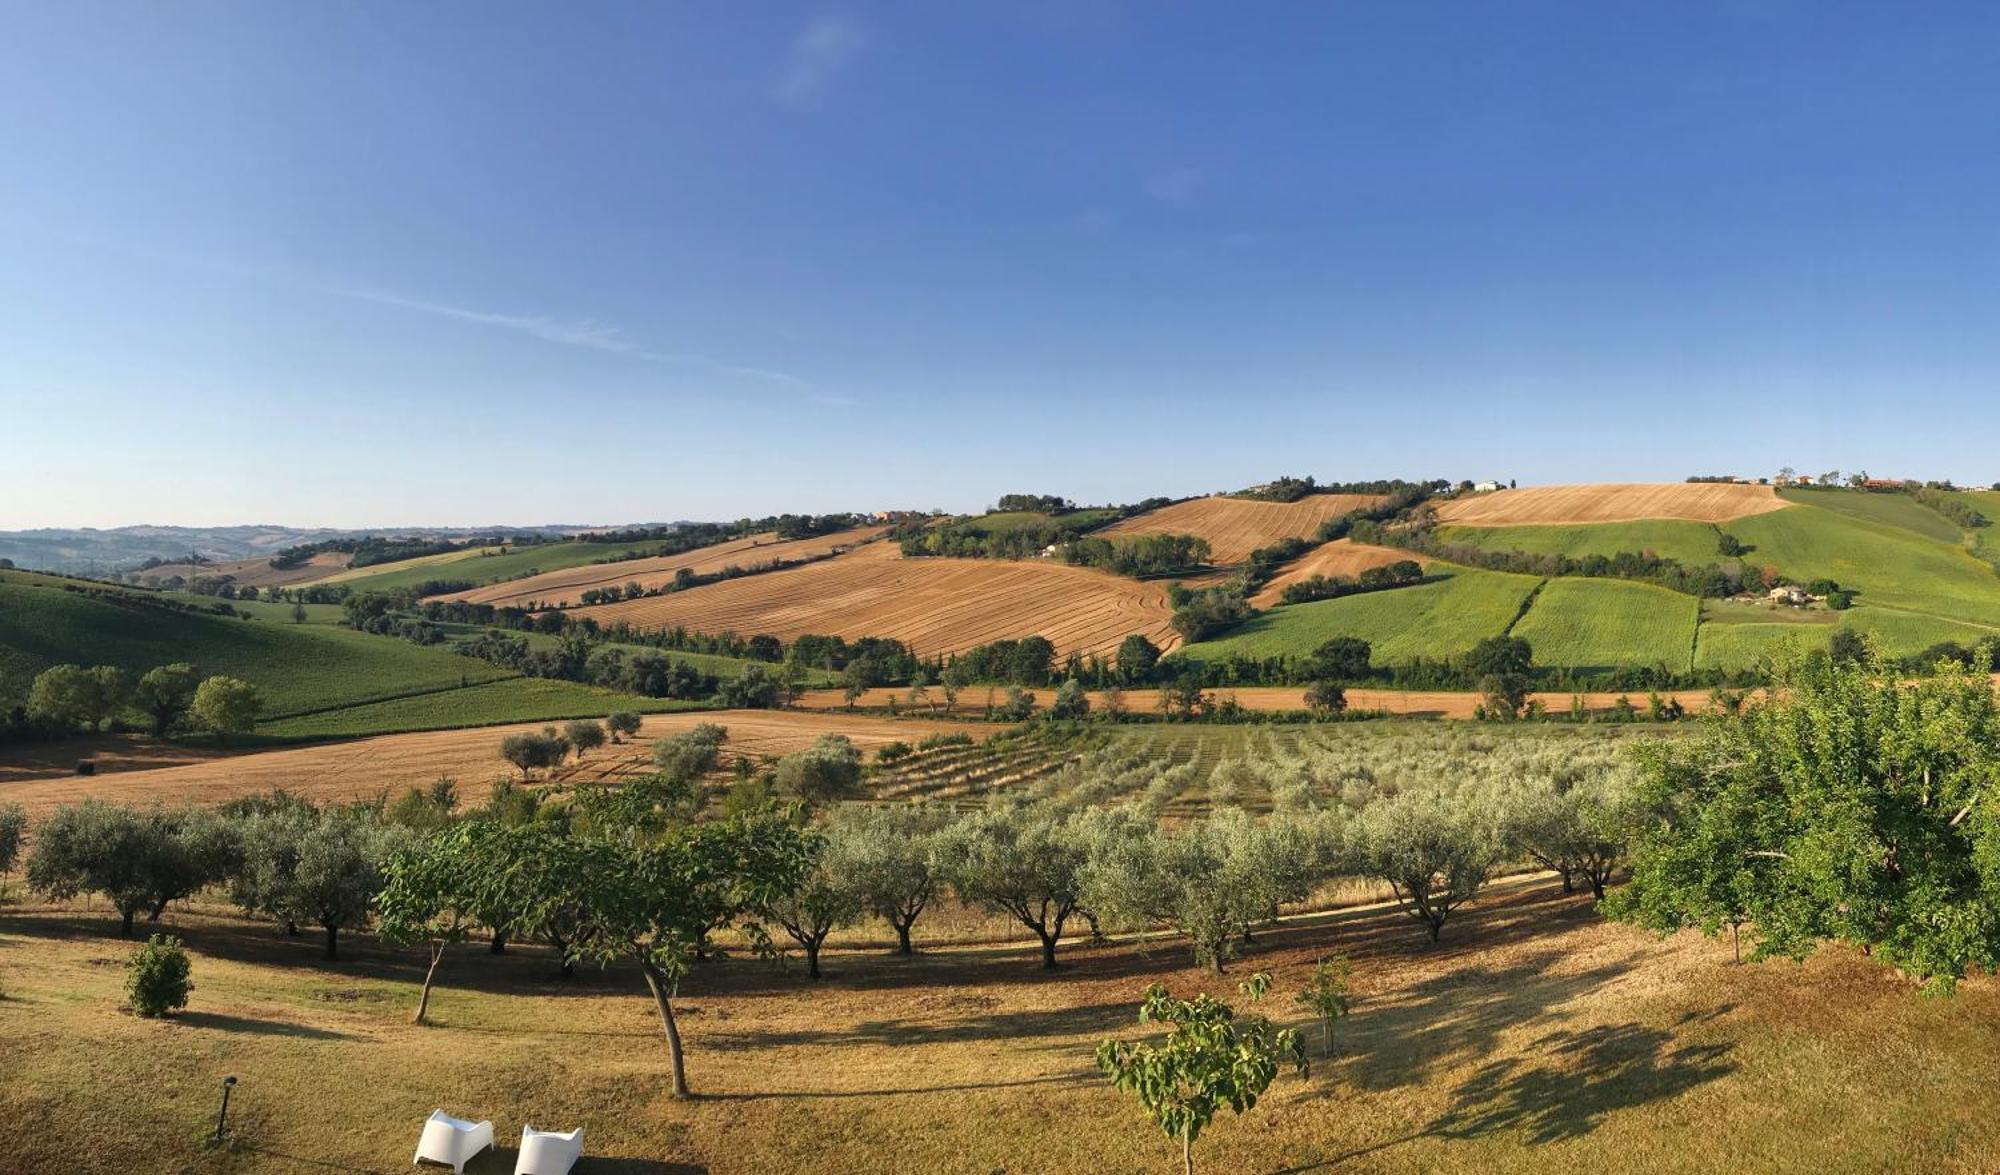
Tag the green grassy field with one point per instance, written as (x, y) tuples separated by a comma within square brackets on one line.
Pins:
[(1984, 541), (1887, 563), (1606, 623), (297, 666), (480, 568), (1892, 509), (1439, 619), (517, 699), (1741, 646), (1693, 543)]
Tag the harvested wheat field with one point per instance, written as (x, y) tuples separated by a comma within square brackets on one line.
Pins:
[(1340, 557), (1536, 1037), (1611, 502), (1234, 527), (364, 768), (934, 605), (257, 572), (566, 587)]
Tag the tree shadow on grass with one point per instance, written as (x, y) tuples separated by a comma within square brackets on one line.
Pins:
[(1058, 1024), (250, 1024), (1079, 1077), (499, 1160)]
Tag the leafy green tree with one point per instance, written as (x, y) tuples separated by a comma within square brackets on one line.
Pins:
[(1503, 694), (826, 897), (302, 864), (1211, 1058), (165, 693), (1325, 995), (431, 894), (1325, 697), (226, 705), (1499, 655), (72, 696), (1070, 702), (754, 689), (13, 821), (530, 751), (828, 770), (1136, 658), (1020, 860), (1578, 831), (583, 735), (653, 896), (1435, 852), (691, 754), (623, 724), (158, 977), (887, 853), (137, 860), (1845, 805), (1344, 658)]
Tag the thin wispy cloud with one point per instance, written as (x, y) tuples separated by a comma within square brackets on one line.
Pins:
[(1179, 186), (823, 49), (570, 333)]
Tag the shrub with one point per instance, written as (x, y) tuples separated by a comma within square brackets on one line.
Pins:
[(157, 978)]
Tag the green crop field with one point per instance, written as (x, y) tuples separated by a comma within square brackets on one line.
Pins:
[(1439, 619), (1606, 623), (297, 666), (481, 568), (1742, 646), (1888, 564), (1692, 543), (1892, 509), (518, 699), (1984, 541), (1903, 634)]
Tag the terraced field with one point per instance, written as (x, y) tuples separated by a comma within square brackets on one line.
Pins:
[(1595, 624), (565, 588), (1439, 619), (1611, 502), (1234, 527), (1341, 557), (935, 605)]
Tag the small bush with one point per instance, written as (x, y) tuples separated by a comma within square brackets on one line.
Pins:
[(890, 752), (932, 742), (156, 980)]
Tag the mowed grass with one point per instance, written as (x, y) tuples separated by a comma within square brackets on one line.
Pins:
[(517, 699), (483, 566), (1537, 1037), (298, 667), (1605, 623), (1892, 509), (1887, 563), (1692, 543), (1432, 620), (1896, 634)]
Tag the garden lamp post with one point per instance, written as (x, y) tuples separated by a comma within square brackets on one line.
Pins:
[(228, 1083)]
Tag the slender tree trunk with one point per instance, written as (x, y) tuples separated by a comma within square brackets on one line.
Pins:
[(1435, 926), (291, 928), (812, 958), (332, 941), (903, 938), (664, 1001), (430, 973), (125, 916), (1048, 950), (1736, 940), (1187, 1153)]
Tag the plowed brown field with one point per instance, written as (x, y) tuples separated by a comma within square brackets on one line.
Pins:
[(1234, 527), (1341, 557), (258, 572), (566, 587), (364, 768), (933, 605), (1620, 502)]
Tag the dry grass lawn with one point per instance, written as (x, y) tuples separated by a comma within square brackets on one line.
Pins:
[(1611, 502), (1536, 1038)]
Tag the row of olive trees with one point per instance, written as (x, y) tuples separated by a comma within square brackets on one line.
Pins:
[(72, 697)]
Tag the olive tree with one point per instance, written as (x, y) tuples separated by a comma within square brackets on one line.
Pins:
[(583, 735), (322, 866), (622, 724), (12, 822), (826, 897), (1576, 831), (1435, 851), (829, 769), (137, 860), (1022, 860), (530, 752), (688, 756), (887, 852)]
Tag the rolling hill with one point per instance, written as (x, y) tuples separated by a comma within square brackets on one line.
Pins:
[(1236, 526)]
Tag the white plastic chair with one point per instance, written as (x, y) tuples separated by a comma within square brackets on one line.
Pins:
[(451, 1141), (546, 1152)]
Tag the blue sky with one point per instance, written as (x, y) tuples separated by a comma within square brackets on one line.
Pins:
[(376, 264)]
